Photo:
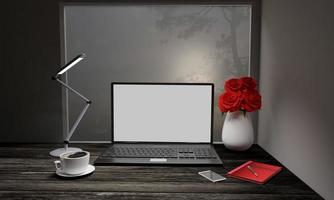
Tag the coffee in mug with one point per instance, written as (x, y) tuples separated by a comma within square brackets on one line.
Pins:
[(73, 162), (77, 154)]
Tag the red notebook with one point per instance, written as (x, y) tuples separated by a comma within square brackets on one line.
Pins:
[(255, 172)]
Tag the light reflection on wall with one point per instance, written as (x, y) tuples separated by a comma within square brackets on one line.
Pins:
[(193, 66)]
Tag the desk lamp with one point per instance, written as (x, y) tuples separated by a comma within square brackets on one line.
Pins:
[(69, 65)]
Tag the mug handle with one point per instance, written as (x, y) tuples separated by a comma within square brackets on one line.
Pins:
[(58, 164)]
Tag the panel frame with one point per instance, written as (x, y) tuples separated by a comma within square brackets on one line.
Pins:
[(255, 36)]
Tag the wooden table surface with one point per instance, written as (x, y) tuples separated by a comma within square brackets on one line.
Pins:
[(27, 172)]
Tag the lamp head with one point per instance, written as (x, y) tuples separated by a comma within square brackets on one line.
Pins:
[(70, 64)]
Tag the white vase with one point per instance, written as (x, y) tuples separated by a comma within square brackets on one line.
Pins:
[(238, 133)]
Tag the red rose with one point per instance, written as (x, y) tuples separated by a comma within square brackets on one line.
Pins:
[(230, 101), (233, 85), (251, 100), (248, 83)]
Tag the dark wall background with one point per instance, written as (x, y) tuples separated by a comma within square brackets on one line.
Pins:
[(30, 43)]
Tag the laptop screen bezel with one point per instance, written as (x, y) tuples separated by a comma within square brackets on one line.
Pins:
[(160, 83)]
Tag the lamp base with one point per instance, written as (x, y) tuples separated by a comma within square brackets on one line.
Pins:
[(57, 152)]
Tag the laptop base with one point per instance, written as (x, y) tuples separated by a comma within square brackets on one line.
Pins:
[(159, 154)]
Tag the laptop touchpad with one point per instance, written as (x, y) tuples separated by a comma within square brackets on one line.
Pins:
[(158, 160)]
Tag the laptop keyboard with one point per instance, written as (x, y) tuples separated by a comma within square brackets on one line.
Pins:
[(159, 152)]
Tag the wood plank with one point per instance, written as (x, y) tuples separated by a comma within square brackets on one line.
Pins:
[(179, 187), (149, 196), (139, 177)]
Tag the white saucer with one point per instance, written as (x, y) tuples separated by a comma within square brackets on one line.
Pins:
[(89, 170)]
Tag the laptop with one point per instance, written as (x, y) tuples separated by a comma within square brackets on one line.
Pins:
[(161, 123)]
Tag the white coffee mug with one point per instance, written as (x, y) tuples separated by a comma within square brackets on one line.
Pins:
[(73, 165)]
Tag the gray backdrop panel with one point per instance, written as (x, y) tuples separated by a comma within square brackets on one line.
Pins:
[(150, 44)]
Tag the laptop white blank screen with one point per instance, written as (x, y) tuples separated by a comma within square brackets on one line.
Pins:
[(162, 112)]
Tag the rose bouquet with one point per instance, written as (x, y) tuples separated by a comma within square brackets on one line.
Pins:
[(240, 94)]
